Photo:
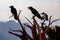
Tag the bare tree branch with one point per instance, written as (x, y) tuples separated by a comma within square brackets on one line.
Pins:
[(54, 21), (28, 26), (28, 21), (19, 12)]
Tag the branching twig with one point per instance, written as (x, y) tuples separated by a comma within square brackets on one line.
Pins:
[(47, 28), (28, 21), (19, 12), (16, 34), (54, 21), (15, 30), (28, 26)]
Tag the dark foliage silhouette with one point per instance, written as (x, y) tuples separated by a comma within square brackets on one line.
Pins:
[(51, 33), (57, 32)]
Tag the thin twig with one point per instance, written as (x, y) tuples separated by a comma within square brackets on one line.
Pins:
[(28, 21), (28, 26), (19, 12), (54, 21)]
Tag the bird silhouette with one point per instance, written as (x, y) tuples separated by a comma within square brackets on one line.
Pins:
[(35, 12), (45, 16), (14, 12)]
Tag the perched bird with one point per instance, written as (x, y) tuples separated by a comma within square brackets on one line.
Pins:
[(35, 12), (14, 12), (45, 16)]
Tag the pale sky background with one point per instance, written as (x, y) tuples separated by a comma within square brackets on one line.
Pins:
[(51, 7)]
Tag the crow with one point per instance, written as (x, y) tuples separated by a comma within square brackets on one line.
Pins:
[(35, 12), (45, 16), (14, 12)]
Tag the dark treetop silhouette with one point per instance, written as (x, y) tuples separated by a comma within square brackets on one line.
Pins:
[(14, 12), (35, 12)]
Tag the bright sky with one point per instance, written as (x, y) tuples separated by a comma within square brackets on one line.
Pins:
[(51, 7)]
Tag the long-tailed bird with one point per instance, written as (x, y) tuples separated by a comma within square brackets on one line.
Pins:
[(45, 16), (14, 12), (35, 12)]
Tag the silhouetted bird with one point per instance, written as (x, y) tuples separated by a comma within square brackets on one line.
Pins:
[(14, 11), (45, 16), (35, 12)]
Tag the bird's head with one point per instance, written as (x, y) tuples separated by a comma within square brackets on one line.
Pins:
[(11, 6), (30, 7), (43, 13)]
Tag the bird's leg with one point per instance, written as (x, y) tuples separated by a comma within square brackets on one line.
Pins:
[(11, 16), (17, 16), (33, 17)]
